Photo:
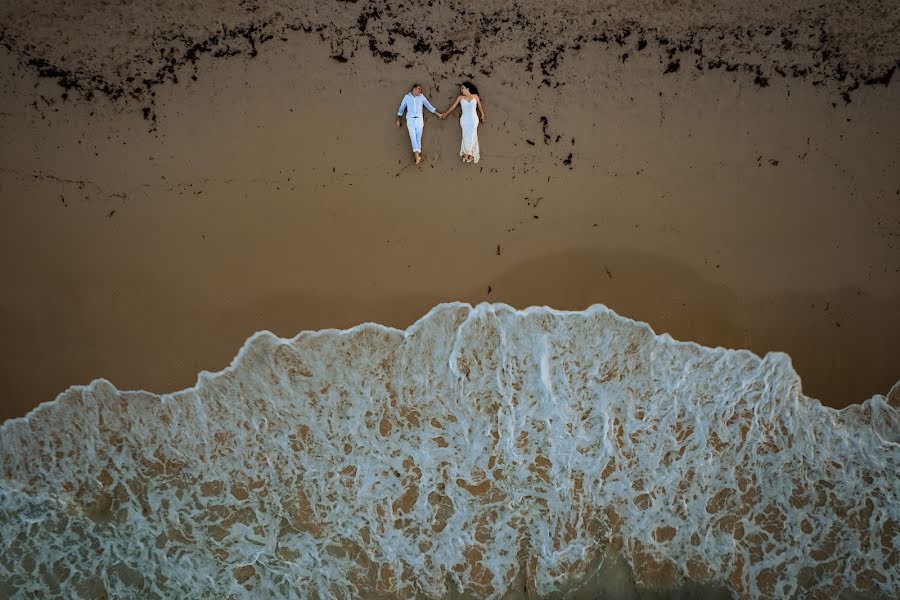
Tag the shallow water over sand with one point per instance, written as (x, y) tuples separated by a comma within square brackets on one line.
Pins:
[(483, 451)]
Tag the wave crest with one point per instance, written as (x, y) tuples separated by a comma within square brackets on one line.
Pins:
[(479, 450)]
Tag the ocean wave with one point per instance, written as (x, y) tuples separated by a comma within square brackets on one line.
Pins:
[(480, 450)]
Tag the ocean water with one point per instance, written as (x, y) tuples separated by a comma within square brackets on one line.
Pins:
[(484, 452)]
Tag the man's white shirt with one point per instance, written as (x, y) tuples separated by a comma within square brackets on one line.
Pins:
[(413, 106)]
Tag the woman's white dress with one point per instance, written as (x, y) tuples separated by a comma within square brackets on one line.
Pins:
[(469, 124)]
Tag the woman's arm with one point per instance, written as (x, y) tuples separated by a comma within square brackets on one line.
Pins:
[(455, 104), (480, 107)]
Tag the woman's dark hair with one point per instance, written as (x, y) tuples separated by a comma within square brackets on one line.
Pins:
[(470, 86)]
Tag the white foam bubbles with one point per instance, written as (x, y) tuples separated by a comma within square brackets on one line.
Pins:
[(481, 447)]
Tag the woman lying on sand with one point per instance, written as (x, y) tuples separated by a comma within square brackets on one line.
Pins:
[(468, 100)]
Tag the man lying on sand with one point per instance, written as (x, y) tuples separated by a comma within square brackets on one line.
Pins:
[(412, 103)]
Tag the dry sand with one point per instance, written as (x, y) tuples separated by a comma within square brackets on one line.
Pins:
[(174, 179)]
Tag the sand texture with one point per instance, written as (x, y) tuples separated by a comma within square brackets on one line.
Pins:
[(177, 180)]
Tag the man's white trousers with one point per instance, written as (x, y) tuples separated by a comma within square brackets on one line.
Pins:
[(415, 126)]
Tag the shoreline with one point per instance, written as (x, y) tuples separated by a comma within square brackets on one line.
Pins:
[(476, 310), (646, 348), (716, 210), (400, 454)]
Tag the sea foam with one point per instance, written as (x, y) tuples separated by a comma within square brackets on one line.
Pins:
[(483, 451)]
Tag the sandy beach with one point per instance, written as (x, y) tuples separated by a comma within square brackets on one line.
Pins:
[(175, 178), (255, 180)]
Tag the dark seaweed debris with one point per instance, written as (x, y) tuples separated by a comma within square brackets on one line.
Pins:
[(672, 66), (544, 125), (801, 50), (884, 78), (448, 50)]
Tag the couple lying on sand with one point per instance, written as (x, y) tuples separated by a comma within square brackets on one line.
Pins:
[(468, 100)]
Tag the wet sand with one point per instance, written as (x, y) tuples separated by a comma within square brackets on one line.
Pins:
[(242, 182)]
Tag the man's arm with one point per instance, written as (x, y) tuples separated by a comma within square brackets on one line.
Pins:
[(428, 104), (400, 110)]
